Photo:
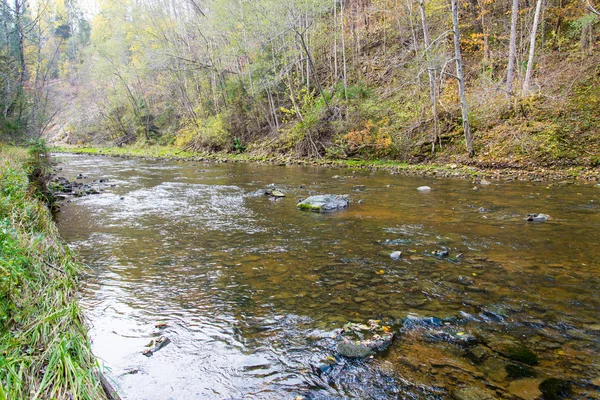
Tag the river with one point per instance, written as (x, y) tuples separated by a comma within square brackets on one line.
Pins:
[(252, 292)]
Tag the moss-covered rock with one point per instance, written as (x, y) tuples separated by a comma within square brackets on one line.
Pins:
[(554, 389), (516, 371), (324, 203)]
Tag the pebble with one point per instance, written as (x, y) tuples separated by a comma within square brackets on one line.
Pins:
[(396, 255), (424, 189)]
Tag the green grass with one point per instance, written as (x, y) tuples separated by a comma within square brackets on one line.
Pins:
[(44, 347)]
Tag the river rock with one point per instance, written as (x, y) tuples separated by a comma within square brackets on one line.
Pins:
[(538, 217), (156, 345), (473, 393), (526, 389), (354, 350), (413, 321), (396, 255), (555, 389), (424, 189), (324, 203)]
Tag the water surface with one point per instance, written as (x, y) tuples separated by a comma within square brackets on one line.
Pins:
[(252, 290)]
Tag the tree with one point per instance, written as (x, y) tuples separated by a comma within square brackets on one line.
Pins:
[(592, 9), (431, 74), (512, 49), (461, 79), (531, 60)]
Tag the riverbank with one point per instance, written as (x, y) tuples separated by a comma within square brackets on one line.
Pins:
[(468, 169), (44, 347)]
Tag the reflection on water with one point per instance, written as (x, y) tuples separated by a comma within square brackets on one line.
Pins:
[(252, 290)]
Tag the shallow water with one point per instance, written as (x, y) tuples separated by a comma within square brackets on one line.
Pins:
[(252, 290)]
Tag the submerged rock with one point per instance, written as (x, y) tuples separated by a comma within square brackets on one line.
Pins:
[(555, 389), (424, 189), (324, 203), (156, 345), (396, 255), (473, 393)]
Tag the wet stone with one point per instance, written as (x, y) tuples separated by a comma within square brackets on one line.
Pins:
[(516, 371), (526, 389), (324, 203), (354, 350), (473, 393), (478, 354), (416, 302), (555, 389), (396, 255)]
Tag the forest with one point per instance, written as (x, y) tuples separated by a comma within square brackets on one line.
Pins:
[(483, 81)]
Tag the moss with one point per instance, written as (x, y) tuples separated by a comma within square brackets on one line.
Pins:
[(516, 371), (311, 207), (555, 389), (522, 354)]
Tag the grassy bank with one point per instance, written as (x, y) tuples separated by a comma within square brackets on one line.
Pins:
[(44, 348), (472, 170)]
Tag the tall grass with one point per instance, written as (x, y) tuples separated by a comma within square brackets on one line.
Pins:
[(44, 348)]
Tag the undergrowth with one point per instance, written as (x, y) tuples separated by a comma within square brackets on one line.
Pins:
[(44, 348)]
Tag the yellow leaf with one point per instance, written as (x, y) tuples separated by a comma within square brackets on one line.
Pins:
[(380, 272)]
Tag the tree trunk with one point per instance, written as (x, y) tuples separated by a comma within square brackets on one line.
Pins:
[(512, 50), (431, 74), (19, 11), (531, 60), (461, 79)]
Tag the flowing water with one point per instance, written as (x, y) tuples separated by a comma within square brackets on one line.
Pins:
[(253, 291)]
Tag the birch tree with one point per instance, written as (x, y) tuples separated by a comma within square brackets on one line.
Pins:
[(531, 60), (512, 47), (461, 79), (431, 74)]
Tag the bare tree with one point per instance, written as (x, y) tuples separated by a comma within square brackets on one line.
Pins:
[(531, 60), (431, 75), (592, 9), (512, 50), (461, 79)]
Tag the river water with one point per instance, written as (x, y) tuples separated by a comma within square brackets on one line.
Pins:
[(252, 292)]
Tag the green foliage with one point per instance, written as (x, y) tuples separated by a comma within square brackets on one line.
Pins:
[(211, 133), (36, 300), (238, 146)]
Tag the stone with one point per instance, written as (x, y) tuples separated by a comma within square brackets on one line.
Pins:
[(526, 389), (424, 189), (473, 393), (324, 203), (354, 350), (515, 351), (277, 193), (478, 354), (516, 371), (416, 302), (555, 389), (538, 217), (484, 182), (396, 255), (413, 321)]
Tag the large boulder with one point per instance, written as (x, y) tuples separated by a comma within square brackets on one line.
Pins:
[(324, 203)]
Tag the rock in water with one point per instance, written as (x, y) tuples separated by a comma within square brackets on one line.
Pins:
[(396, 255), (424, 189), (354, 350), (324, 203), (473, 393), (538, 217), (555, 389)]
